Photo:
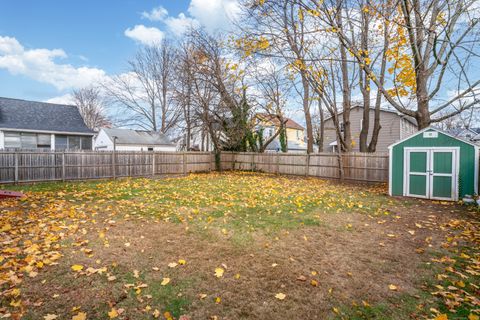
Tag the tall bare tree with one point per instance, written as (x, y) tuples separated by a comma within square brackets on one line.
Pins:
[(281, 27), (144, 92), (90, 104)]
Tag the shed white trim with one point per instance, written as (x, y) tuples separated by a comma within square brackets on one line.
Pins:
[(435, 129)]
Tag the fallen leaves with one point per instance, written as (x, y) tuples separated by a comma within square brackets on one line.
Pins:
[(80, 316), (280, 296), (113, 313), (77, 267), (165, 281), (392, 287), (219, 272)]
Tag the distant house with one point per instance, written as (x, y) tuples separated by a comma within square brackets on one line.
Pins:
[(132, 140), (39, 125), (295, 133), (395, 127), (466, 134)]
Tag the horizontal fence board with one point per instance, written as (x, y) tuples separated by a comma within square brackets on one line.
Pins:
[(356, 166), (30, 166)]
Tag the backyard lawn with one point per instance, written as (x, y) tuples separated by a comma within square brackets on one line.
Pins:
[(235, 246)]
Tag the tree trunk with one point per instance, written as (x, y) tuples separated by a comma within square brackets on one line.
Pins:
[(346, 93), (364, 88), (365, 122), (423, 114), (322, 126), (306, 110)]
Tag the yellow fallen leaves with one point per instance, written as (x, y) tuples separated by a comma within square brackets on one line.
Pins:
[(219, 272), (80, 316), (280, 296), (114, 313), (50, 317), (77, 267), (392, 287), (165, 281)]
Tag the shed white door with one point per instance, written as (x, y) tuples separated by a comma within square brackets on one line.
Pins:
[(431, 173)]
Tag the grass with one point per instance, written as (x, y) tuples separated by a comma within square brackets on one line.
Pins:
[(264, 230)]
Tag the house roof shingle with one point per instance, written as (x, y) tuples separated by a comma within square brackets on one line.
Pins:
[(18, 114), (137, 137)]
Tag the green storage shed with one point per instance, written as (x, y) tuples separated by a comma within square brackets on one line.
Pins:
[(433, 164)]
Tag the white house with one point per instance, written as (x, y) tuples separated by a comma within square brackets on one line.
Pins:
[(39, 125), (132, 140)]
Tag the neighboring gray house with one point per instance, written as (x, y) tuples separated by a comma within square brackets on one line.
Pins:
[(39, 125), (395, 127), (132, 140), (465, 134)]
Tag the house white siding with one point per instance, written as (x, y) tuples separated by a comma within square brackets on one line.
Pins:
[(52, 142), (2, 140), (407, 129), (103, 142)]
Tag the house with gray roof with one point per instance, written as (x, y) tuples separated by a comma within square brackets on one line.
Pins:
[(39, 125), (132, 140)]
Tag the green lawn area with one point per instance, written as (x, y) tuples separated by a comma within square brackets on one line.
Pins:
[(234, 246)]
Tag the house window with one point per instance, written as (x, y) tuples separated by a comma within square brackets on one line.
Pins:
[(73, 143), (342, 127), (12, 140), (61, 142), (86, 143), (24, 140), (29, 140), (43, 141), (150, 149)]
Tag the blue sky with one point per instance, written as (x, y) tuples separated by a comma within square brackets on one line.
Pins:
[(49, 47)]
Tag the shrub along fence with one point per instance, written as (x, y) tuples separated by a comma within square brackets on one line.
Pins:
[(32, 166)]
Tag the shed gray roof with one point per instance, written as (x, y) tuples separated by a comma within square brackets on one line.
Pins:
[(41, 116), (138, 137)]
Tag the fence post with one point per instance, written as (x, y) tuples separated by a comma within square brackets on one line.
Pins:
[(153, 163), (184, 164), (307, 168), (113, 165), (253, 162), (278, 163), (63, 166), (16, 167)]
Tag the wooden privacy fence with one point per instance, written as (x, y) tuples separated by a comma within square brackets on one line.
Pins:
[(23, 166), (55, 166), (372, 167)]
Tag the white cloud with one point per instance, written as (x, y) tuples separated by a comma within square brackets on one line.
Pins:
[(156, 14), (180, 24), (63, 99), (215, 14), (145, 35), (40, 65)]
